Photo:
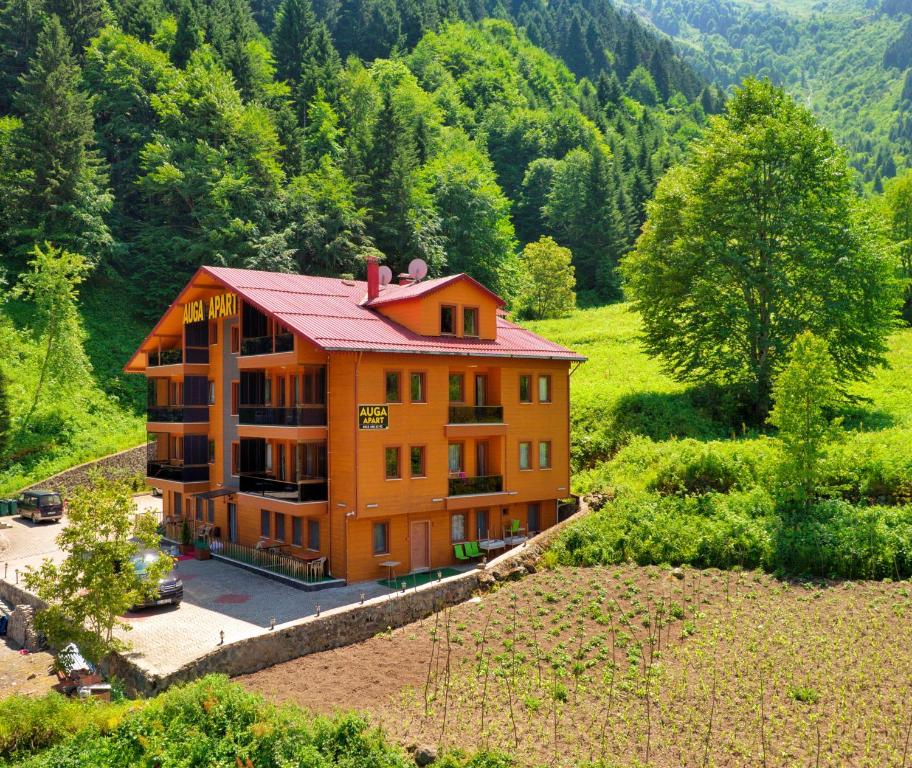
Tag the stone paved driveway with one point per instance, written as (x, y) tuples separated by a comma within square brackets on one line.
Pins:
[(218, 597)]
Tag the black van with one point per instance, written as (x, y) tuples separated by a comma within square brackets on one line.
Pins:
[(41, 505)]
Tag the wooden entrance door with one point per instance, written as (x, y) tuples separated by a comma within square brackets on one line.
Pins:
[(420, 540)]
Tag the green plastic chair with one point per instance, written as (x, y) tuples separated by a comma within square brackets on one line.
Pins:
[(514, 528), (472, 550), (460, 552)]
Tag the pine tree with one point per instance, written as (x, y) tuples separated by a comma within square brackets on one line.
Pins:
[(295, 24), (64, 197), (81, 20), (320, 68), (20, 23), (189, 35)]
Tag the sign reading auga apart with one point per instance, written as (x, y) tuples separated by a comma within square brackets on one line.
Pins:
[(220, 305), (373, 417)]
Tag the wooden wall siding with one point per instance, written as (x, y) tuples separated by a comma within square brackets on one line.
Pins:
[(422, 315)]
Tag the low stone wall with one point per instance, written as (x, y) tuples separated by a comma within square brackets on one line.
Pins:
[(341, 626), (127, 463)]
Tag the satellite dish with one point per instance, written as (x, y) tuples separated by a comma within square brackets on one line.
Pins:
[(386, 275), (417, 269)]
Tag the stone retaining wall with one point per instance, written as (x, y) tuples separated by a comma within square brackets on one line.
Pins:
[(341, 626), (127, 463)]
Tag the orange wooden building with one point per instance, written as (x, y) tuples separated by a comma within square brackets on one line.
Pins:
[(365, 423)]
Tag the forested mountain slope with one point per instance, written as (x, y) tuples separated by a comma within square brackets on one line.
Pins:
[(850, 60), (152, 137)]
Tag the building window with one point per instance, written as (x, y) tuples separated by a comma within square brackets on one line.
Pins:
[(264, 523), (457, 528), (235, 339), (280, 526), (393, 387), (381, 538), (456, 457), (533, 518), (178, 505), (447, 320), (417, 391), (393, 471), (212, 451), (313, 535), (267, 391), (235, 397), (469, 321), (297, 527), (525, 388), (457, 388), (544, 389), (481, 524), (210, 510), (416, 455), (211, 393), (235, 458), (525, 455), (269, 457), (544, 454), (199, 508)]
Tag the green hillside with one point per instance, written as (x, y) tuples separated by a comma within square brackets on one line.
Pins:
[(849, 60)]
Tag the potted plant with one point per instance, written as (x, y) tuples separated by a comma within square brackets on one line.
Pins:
[(201, 550), (186, 542)]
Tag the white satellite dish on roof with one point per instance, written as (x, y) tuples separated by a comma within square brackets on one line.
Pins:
[(417, 269), (386, 275)]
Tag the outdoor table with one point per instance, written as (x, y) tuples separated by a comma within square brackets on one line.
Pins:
[(491, 544), (390, 564), (513, 541)]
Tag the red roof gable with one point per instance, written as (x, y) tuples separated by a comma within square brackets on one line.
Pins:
[(333, 315), (394, 293)]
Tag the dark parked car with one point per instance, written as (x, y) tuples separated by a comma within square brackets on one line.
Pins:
[(40, 505), (170, 588)]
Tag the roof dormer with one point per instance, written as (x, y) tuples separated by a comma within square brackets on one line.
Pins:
[(457, 306)]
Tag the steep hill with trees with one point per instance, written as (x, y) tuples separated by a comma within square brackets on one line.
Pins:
[(849, 60)]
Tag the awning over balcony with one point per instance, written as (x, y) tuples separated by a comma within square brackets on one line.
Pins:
[(226, 491)]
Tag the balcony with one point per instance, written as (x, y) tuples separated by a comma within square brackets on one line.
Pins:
[(267, 345), (476, 414), (283, 490), (177, 471), (298, 416), (166, 357), (472, 486), (178, 414)]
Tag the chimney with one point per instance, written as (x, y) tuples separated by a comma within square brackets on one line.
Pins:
[(373, 278)]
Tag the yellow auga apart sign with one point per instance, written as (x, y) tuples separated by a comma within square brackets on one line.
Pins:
[(373, 417), (220, 305)]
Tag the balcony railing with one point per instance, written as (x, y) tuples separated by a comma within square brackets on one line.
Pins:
[(298, 416), (266, 345), (284, 490), (178, 414), (469, 486), (166, 357), (177, 471), (476, 414)]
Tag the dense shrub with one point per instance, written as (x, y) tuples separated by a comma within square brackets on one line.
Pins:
[(874, 467), (835, 539), (209, 722)]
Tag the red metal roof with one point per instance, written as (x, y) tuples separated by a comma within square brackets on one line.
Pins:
[(394, 293), (333, 314)]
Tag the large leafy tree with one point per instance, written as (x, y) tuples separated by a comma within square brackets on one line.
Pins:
[(547, 280), (754, 240), (63, 193), (97, 582), (898, 196)]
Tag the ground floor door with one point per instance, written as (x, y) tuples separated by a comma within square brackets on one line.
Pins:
[(420, 540), (232, 523)]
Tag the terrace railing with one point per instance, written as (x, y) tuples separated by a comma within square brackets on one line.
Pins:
[(267, 345), (469, 486), (296, 416), (275, 562), (178, 414), (284, 490), (166, 357), (177, 471), (476, 414)]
